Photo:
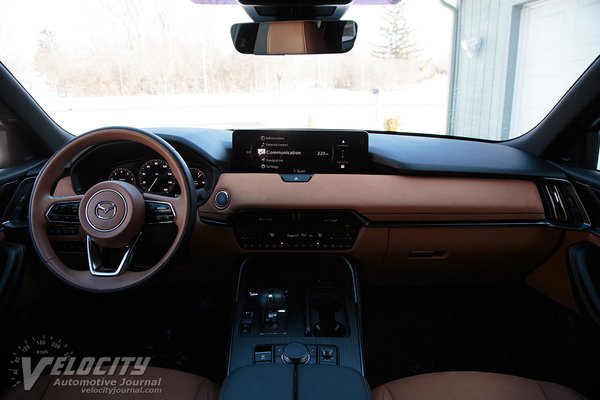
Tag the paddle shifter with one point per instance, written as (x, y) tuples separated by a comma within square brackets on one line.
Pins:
[(272, 304)]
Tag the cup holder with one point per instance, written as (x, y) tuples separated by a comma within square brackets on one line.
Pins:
[(326, 306)]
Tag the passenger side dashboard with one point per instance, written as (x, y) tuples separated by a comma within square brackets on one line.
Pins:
[(417, 229)]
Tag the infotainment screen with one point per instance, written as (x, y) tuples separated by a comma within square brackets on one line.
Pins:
[(300, 152)]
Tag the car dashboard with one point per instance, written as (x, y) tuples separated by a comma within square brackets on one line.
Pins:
[(414, 208)]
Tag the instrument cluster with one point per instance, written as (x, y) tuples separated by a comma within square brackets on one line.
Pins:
[(155, 176)]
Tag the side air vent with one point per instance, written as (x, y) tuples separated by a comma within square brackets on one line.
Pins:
[(17, 210), (562, 205)]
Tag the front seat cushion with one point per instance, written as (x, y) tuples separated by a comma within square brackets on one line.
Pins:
[(472, 386), (173, 385)]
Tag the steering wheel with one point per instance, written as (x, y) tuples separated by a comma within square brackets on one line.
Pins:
[(112, 214)]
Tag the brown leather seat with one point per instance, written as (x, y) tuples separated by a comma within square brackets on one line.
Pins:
[(169, 384), (472, 386)]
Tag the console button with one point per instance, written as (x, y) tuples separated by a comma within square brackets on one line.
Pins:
[(263, 354), (327, 352), (328, 355), (262, 357), (278, 350), (312, 351)]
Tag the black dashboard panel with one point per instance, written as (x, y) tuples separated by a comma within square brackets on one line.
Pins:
[(439, 155), (210, 151), (396, 154)]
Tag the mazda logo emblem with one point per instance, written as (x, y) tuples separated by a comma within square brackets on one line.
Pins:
[(106, 210)]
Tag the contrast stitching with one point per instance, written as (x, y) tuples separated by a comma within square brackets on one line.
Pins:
[(388, 391), (542, 390)]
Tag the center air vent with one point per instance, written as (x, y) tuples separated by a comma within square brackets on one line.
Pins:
[(562, 205)]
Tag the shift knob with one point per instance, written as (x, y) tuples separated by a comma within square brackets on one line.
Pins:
[(271, 300)]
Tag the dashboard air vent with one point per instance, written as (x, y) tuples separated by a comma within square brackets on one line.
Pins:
[(17, 210), (562, 204)]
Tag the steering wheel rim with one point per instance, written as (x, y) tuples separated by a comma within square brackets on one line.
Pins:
[(42, 200)]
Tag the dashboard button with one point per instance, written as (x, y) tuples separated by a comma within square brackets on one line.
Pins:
[(296, 177), (222, 199)]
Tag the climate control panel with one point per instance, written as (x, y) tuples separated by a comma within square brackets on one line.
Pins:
[(305, 230)]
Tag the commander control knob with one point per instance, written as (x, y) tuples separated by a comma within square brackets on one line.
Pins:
[(295, 353)]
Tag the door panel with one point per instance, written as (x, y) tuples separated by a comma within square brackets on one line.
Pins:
[(584, 270), (583, 256), (11, 261), (15, 189)]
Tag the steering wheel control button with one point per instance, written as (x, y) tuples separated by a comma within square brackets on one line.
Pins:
[(66, 213), (222, 199), (297, 178), (159, 212), (295, 353)]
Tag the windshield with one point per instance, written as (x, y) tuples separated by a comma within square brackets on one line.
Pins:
[(484, 70)]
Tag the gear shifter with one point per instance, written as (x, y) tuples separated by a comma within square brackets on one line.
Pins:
[(270, 302)]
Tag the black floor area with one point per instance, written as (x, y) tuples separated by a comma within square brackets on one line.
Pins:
[(511, 330), (407, 331), (184, 328)]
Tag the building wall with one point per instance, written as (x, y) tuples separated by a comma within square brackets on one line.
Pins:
[(478, 106), (555, 50)]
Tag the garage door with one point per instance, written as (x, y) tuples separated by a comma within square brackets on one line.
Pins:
[(558, 39)]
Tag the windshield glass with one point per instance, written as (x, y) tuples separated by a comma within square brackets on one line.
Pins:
[(489, 70)]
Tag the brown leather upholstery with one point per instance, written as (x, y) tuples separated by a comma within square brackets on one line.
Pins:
[(472, 386), (173, 385)]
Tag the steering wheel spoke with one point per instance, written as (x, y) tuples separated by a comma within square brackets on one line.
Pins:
[(103, 262)]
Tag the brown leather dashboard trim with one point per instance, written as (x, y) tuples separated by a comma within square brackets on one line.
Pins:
[(459, 254), (384, 197)]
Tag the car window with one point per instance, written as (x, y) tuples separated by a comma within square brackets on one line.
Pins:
[(488, 70)]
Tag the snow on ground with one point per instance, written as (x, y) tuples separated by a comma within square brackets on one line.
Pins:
[(419, 107)]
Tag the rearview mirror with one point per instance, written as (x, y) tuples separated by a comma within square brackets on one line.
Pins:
[(294, 37)]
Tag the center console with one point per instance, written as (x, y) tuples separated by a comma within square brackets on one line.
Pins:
[(296, 329)]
